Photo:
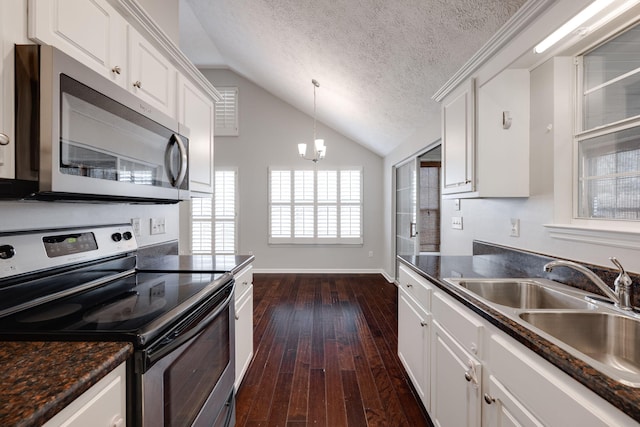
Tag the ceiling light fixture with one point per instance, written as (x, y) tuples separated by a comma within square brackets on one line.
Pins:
[(319, 149), (572, 24)]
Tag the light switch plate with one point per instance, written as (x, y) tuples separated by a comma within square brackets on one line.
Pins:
[(456, 222), (515, 227)]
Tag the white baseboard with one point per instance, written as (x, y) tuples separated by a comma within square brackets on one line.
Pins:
[(323, 271)]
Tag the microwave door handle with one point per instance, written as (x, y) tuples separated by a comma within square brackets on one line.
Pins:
[(177, 181), (180, 339)]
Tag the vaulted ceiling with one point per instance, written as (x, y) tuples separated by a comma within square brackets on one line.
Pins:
[(378, 62)]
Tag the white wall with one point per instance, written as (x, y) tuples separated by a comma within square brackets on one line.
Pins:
[(36, 215), (270, 130)]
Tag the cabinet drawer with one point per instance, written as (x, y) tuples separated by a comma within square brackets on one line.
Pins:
[(462, 325), (244, 280), (416, 287)]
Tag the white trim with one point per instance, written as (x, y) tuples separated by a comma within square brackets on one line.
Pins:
[(626, 239)]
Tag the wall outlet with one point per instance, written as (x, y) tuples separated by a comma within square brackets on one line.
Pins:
[(456, 222), (515, 227), (157, 226), (135, 224), (456, 205)]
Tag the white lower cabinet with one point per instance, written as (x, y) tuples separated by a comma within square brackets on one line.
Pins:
[(414, 327), (503, 409), (480, 376), (244, 322), (104, 404), (457, 383)]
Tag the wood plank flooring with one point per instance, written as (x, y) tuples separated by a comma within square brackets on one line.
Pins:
[(325, 354)]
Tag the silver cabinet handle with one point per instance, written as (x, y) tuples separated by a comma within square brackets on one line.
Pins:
[(117, 70), (137, 84), (409, 285), (468, 377), (4, 139), (423, 323), (489, 399)]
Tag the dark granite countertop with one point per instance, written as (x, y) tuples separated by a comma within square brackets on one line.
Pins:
[(191, 263), (435, 268), (38, 379)]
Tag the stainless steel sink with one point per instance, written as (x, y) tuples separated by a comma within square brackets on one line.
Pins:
[(522, 294), (611, 339)]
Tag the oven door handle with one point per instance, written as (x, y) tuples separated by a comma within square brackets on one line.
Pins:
[(165, 347)]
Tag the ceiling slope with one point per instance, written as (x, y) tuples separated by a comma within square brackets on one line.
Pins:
[(378, 61)]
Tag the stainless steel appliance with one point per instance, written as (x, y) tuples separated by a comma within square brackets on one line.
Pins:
[(82, 284), (80, 136)]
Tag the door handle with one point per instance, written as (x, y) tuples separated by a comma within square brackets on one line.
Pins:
[(413, 232)]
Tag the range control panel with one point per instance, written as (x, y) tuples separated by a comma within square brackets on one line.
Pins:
[(30, 251)]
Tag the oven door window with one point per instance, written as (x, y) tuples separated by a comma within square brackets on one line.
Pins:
[(101, 138)]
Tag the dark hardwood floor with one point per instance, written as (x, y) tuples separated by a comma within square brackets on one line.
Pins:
[(326, 355)]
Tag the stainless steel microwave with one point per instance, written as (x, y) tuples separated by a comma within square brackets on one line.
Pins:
[(80, 136)]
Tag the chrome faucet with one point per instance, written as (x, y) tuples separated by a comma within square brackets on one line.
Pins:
[(621, 296)]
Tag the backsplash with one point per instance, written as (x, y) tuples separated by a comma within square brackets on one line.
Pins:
[(531, 264)]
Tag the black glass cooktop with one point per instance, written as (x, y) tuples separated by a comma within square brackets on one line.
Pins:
[(133, 308)]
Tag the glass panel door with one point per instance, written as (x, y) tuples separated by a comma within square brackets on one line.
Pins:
[(406, 205)]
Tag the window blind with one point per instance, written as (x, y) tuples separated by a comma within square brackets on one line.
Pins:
[(226, 112), (315, 206)]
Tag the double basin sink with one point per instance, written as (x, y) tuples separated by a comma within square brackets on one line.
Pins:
[(576, 321)]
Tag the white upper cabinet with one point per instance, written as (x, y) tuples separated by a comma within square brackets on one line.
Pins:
[(196, 112), (458, 140), (12, 31), (151, 76), (89, 30), (485, 137)]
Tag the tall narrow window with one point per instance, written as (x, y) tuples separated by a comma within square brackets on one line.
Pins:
[(315, 206), (214, 220), (609, 138), (226, 112)]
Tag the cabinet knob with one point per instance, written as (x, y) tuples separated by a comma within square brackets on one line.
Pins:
[(4, 139), (409, 285), (137, 84), (423, 323), (237, 317), (468, 377), (488, 399), (245, 283), (116, 69)]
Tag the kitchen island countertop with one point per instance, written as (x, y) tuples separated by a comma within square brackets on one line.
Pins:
[(38, 379)]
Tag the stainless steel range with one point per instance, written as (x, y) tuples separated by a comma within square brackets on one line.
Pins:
[(82, 284)]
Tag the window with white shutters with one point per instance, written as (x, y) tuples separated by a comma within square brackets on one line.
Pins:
[(315, 206), (213, 220), (226, 112)]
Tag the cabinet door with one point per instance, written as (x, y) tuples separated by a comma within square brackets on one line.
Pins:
[(91, 31), (413, 344), (458, 139), (244, 334), (456, 383), (503, 410), (152, 77), (104, 404), (196, 112)]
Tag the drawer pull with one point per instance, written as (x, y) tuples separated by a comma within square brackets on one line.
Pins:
[(489, 399), (137, 84), (116, 69)]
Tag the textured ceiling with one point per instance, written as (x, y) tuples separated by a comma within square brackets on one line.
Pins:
[(378, 61)]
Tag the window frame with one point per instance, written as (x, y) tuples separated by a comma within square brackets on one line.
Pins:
[(231, 129), (580, 134), (315, 240)]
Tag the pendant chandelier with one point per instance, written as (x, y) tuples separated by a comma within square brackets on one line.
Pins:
[(319, 149)]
